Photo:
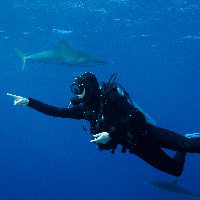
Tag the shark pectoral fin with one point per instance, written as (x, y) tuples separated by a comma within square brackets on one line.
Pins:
[(23, 56), (63, 45), (24, 64)]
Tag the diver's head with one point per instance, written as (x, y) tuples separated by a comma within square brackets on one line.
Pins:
[(85, 87)]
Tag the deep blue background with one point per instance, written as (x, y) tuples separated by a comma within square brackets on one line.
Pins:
[(153, 46)]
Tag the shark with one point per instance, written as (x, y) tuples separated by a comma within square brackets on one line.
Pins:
[(173, 188), (62, 56)]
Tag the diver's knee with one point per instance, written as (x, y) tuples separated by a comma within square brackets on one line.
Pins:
[(178, 173)]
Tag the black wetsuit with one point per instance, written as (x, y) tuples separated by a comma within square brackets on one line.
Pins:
[(127, 126)]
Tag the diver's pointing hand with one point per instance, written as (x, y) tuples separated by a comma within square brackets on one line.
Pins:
[(19, 101), (101, 138)]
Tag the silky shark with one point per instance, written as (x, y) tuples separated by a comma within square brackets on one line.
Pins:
[(173, 188), (62, 56)]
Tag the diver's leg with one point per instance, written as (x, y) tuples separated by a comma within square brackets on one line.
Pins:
[(179, 158), (173, 141), (157, 158)]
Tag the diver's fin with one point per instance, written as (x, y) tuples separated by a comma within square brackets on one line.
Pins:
[(193, 135), (23, 56)]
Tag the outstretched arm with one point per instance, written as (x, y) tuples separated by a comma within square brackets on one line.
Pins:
[(76, 112)]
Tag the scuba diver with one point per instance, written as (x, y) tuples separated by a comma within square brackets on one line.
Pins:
[(115, 119)]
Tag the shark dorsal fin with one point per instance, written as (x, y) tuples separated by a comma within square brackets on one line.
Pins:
[(63, 45), (175, 181)]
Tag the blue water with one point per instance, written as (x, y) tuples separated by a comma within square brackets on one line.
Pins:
[(153, 46)]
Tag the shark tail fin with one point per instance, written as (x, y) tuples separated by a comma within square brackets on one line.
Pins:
[(23, 56)]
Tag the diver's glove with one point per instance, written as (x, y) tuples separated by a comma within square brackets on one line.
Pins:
[(102, 138), (193, 135), (19, 101)]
